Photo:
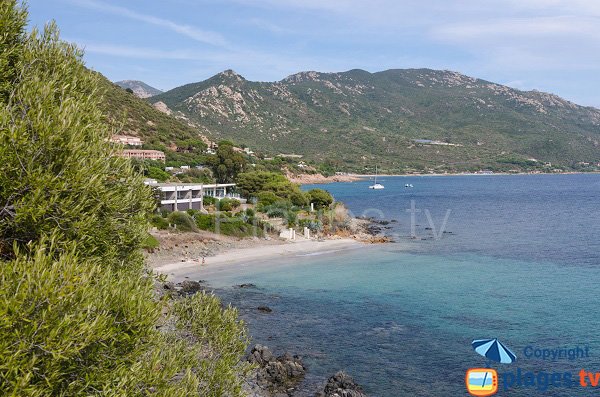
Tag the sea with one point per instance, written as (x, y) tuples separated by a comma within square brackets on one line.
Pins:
[(508, 257)]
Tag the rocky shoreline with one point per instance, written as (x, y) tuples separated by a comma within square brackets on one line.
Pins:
[(279, 376), (272, 376)]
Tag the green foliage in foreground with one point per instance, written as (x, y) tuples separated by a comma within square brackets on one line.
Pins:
[(227, 338), (71, 325), (74, 328), (78, 312)]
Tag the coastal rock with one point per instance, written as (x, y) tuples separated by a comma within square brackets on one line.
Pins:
[(264, 309), (190, 287), (247, 285), (169, 286), (279, 374), (341, 385)]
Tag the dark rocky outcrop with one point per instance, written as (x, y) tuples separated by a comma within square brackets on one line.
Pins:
[(341, 385), (276, 374), (264, 309), (190, 287)]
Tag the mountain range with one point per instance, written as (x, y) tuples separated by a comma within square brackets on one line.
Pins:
[(403, 119), (139, 88)]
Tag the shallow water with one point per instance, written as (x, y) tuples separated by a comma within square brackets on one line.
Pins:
[(520, 265)]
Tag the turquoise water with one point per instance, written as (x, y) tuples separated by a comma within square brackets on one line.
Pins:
[(521, 265)]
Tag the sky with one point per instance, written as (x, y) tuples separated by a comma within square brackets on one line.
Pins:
[(549, 45)]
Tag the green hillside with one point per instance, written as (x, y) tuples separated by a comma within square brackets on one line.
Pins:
[(130, 115), (355, 119)]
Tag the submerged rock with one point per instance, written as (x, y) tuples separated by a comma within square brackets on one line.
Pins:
[(264, 309), (341, 385)]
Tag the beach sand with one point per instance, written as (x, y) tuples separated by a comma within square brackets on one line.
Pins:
[(239, 258)]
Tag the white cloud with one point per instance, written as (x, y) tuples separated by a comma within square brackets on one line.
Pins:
[(140, 52), (192, 32), (522, 28)]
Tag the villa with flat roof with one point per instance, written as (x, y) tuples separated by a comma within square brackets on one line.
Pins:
[(189, 196)]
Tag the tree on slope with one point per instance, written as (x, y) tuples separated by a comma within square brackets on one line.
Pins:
[(78, 313)]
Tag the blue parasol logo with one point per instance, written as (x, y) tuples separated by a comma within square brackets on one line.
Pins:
[(494, 350)]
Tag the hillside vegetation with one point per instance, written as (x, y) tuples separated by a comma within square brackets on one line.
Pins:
[(355, 119)]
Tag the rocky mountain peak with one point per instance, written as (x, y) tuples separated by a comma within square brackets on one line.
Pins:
[(302, 76), (139, 88), (230, 74)]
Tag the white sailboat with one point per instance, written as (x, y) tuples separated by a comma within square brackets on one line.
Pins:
[(376, 185)]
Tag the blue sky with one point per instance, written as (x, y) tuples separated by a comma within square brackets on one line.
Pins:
[(550, 45)]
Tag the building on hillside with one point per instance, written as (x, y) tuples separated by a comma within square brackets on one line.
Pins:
[(189, 196), (156, 155), (127, 140)]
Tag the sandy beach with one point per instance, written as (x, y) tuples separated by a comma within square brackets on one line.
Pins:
[(237, 258)]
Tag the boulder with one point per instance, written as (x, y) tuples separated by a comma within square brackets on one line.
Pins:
[(276, 374), (341, 385), (190, 287)]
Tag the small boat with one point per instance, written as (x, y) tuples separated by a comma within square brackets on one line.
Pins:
[(409, 185), (376, 186)]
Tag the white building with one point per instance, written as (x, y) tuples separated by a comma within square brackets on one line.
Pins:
[(187, 196), (127, 140)]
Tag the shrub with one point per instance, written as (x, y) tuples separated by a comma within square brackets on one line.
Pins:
[(150, 242), (228, 204), (313, 225), (159, 222), (182, 221), (276, 212), (299, 198), (229, 226), (267, 198), (211, 325), (320, 198), (291, 218), (78, 314), (71, 325), (71, 183), (209, 200), (205, 222)]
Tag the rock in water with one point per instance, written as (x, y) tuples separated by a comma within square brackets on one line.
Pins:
[(276, 374), (189, 287), (341, 385)]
